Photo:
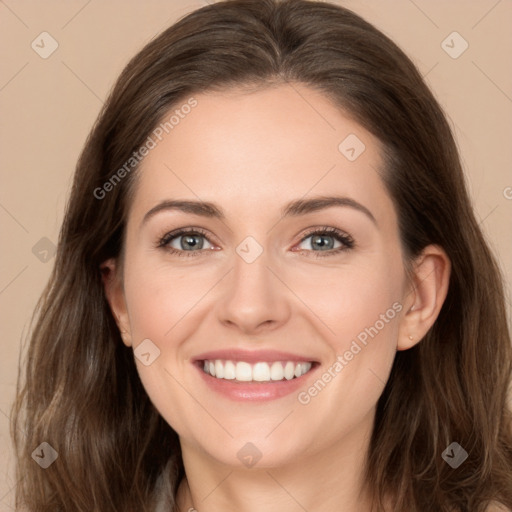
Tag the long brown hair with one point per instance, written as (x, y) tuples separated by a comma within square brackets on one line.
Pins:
[(80, 391)]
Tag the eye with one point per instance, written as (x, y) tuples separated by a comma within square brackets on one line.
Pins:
[(190, 242), (324, 239), (185, 242)]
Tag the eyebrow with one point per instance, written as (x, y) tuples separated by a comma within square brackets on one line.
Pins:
[(293, 209)]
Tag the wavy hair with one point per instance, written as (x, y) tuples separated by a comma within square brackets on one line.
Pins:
[(78, 388)]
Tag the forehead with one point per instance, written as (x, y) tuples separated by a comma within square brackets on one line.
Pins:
[(241, 149)]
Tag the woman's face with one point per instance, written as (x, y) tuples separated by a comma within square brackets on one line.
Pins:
[(248, 281)]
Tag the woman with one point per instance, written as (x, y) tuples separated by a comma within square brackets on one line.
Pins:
[(191, 350)]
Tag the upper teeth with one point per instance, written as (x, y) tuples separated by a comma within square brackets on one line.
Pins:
[(261, 372)]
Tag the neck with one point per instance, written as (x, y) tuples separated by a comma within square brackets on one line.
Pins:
[(320, 481)]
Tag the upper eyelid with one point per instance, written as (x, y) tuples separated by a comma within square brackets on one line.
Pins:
[(176, 233)]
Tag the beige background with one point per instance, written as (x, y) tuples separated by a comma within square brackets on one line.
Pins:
[(49, 105)]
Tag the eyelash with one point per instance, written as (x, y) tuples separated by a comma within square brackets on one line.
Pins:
[(340, 236)]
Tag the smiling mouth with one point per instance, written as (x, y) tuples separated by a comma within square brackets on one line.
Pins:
[(241, 371)]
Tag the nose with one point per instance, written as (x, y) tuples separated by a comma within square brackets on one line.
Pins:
[(254, 299)]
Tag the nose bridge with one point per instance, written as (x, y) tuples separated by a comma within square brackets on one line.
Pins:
[(253, 295)]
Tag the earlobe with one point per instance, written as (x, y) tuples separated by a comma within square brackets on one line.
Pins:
[(431, 277), (112, 284)]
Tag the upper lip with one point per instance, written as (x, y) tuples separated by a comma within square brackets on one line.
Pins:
[(253, 356)]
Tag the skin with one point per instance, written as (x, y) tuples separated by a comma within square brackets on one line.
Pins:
[(250, 154)]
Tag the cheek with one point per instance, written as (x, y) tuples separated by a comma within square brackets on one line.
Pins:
[(351, 299), (160, 304), (362, 308), (164, 305), (160, 298)]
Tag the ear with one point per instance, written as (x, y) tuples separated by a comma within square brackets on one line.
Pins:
[(114, 291), (426, 295)]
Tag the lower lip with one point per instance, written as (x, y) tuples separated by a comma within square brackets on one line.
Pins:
[(254, 391)]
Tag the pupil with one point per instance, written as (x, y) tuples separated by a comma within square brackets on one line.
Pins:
[(318, 238), (188, 242)]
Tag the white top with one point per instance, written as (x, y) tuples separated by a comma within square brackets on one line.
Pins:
[(163, 490)]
